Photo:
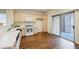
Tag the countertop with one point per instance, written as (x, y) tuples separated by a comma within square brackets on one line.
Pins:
[(8, 39)]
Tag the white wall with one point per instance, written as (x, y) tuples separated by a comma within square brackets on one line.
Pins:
[(56, 25), (50, 24), (77, 26)]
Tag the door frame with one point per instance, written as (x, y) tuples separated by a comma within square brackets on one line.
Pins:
[(60, 23)]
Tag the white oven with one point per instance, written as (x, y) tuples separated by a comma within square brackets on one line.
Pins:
[(29, 28)]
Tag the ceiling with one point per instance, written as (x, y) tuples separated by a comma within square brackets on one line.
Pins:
[(36, 10), (39, 10)]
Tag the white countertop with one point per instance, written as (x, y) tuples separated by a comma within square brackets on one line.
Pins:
[(8, 39)]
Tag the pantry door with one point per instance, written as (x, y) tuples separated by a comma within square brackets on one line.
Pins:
[(39, 24)]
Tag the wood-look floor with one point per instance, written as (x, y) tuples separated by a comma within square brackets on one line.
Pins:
[(45, 41)]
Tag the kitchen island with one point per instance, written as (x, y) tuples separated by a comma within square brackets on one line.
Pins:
[(10, 40)]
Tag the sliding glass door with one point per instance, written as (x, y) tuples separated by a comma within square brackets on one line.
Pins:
[(63, 25), (67, 26)]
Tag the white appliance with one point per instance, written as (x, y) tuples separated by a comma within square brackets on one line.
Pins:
[(29, 28)]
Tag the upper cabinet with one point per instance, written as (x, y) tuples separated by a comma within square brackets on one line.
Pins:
[(20, 15)]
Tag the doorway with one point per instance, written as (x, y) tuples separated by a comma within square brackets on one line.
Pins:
[(63, 25), (67, 26), (39, 25)]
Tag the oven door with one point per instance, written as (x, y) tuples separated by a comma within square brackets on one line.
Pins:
[(29, 31)]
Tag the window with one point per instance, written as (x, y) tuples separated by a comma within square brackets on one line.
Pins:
[(67, 24), (63, 25), (3, 19)]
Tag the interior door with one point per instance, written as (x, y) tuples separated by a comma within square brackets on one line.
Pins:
[(39, 24), (56, 25)]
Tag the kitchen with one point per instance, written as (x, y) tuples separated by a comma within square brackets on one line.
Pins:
[(25, 21), (31, 28)]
